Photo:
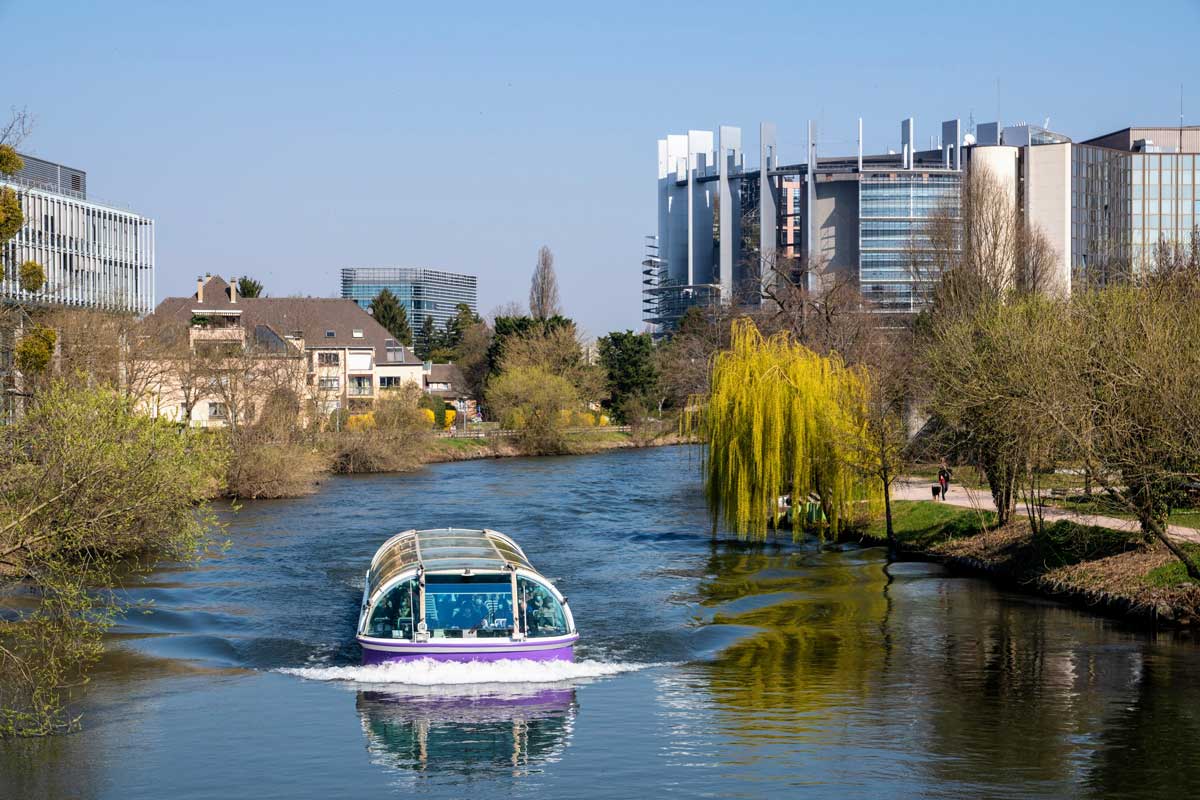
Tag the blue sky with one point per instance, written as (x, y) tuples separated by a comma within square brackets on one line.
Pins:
[(286, 140)]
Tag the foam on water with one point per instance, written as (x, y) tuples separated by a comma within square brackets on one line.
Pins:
[(427, 672)]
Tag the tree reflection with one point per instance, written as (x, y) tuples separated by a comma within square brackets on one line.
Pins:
[(951, 682), (819, 646), (429, 731)]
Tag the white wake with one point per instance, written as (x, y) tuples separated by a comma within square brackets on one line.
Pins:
[(427, 672)]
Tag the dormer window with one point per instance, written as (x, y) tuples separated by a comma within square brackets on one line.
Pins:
[(329, 334)]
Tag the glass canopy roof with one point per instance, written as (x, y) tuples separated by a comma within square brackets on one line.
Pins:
[(454, 549)]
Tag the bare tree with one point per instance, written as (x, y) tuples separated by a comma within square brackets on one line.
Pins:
[(17, 129), (543, 288)]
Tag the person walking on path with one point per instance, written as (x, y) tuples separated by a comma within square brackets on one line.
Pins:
[(944, 478)]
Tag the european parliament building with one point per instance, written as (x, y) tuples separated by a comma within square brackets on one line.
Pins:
[(1104, 204), (95, 255), (422, 292)]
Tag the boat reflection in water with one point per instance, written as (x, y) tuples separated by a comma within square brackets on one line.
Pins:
[(422, 729)]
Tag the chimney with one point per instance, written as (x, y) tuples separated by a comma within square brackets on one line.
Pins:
[(233, 290), (199, 289)]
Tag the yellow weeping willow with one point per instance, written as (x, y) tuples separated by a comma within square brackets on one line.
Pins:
[(782, 419)]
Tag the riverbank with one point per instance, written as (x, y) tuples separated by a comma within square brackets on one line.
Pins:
[(454, 449), (1109, 571)]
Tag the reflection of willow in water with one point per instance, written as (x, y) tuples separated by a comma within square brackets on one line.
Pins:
[(454, 734), (819, 643)]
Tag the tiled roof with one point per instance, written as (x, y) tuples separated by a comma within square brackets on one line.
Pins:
[(311, 317)]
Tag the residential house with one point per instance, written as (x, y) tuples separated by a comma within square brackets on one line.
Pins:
[(446, 381), (329, 352)]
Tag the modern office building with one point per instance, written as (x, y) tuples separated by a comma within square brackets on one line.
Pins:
[(95, 255), (422, 292), (1104, 204), (725, 228)]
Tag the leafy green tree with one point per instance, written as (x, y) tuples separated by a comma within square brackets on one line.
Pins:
[(457, 325), (535, 402), (632, 375), (513, 328), (90, 492), (392, 315), (248, 287)]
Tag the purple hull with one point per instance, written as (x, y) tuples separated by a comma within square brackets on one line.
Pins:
[(379, 651)]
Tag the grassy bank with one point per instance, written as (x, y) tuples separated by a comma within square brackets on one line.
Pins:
[(454, 449), (1113, 572)]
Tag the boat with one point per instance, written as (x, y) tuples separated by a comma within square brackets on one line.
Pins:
[(458, 594)]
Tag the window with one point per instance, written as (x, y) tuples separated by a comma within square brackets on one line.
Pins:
[(329, 334), (217, 411), (328, 359), (480, 607), (330, 384), (357, 333), (541, 613), (394, 616), (361, 387), (392, 382)]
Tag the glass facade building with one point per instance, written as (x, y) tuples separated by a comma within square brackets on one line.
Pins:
[(422, 292), (94, 255), (894, 212)]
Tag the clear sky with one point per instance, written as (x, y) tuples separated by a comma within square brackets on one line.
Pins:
[(287, 140)]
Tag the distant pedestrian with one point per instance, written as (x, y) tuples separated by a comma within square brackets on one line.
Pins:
[(944, 479), (937, 490)]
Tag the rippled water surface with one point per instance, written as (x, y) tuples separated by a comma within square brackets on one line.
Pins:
[(704, 670)]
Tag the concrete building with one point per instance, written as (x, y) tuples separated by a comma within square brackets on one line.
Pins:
[(725, 228), (95, 255), (329, 352), (1105, 205), (422, 292)]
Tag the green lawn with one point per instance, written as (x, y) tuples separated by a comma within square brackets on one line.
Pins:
[(921, 523), (1174, 573)]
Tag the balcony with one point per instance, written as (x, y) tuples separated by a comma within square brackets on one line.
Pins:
[(361, 387), (229, 334)]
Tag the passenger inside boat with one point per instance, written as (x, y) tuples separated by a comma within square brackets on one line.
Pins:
[(393, 616), (541, 613), (478, 606)]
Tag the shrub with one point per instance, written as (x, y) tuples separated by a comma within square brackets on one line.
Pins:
[(397, 442), (89, 490), (535, 402), (261, 468), (361, 422), (32, 276), (10, 161), (11, 215), (36, 348)]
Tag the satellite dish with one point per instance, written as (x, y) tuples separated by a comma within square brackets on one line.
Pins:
[(969, 140)]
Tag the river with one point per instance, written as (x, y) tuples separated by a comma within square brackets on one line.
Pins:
[(705, 670)]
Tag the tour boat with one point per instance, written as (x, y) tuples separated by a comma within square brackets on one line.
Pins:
[(453, 594)]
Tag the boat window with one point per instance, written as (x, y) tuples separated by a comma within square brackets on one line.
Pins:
[(541, 613), (393, 615), (465, 609)]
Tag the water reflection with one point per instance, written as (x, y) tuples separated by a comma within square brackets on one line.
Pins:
[(518, 730), (1016, 698)]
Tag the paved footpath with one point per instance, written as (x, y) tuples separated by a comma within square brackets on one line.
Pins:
[(981, 500)]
